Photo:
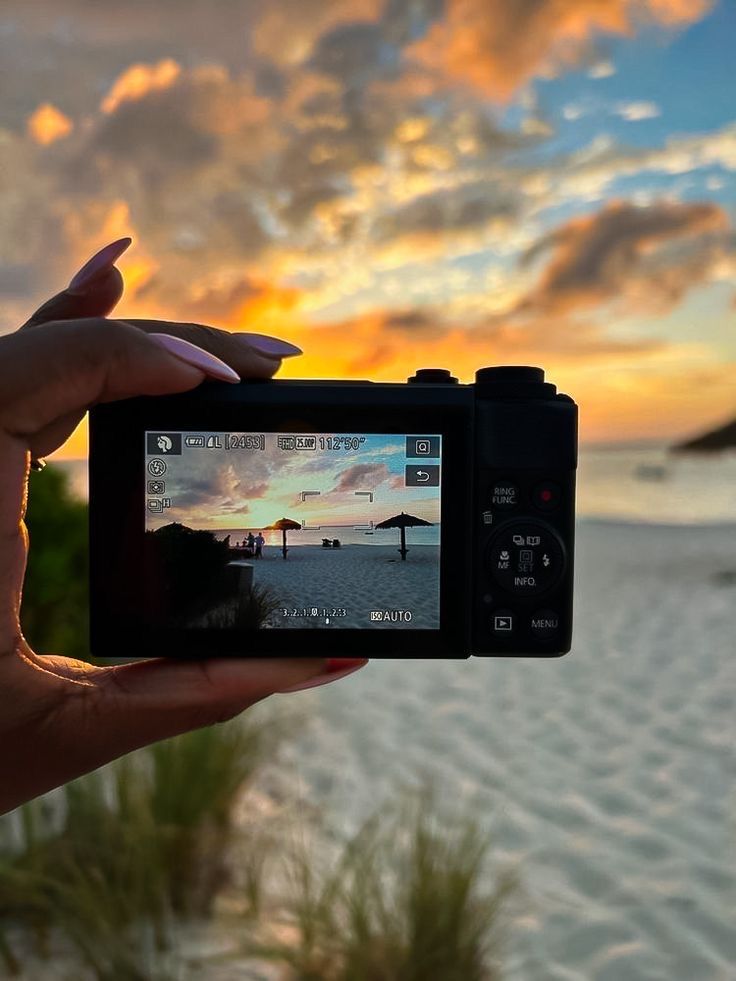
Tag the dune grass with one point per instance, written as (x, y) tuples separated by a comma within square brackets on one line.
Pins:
[(411, 897), (117, 862), (116, 857), (194, 782), (248, 613)]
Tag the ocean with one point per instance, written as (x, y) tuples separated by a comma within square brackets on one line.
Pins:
[(630, 483)]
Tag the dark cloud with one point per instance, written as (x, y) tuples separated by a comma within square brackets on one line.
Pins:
[(646, 257), (288, 30), (454, 209), (354, 54), (71, 53), (424, 323), (209, 488), (17, 280), (361, 475), (156, 135), (403, 22), (219, 304), (198, 492)]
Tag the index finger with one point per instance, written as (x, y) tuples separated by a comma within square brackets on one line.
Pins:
[(251, 355)]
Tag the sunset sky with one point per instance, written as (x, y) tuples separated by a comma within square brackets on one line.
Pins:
[(395, 183)]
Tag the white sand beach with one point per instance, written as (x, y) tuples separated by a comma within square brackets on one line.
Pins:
[(357, 578), (607, 776)]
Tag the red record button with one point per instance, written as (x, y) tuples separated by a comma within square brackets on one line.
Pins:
[(546, 496)]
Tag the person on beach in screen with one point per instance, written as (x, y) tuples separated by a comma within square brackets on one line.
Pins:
[(62, 717), (260, 542)]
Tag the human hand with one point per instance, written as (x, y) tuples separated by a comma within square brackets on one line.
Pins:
[(61, 717)]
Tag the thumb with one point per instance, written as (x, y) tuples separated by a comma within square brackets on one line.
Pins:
[(122, 708), (82, 716)]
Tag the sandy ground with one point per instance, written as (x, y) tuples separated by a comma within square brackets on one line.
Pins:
[(608, 775), (357, 578)]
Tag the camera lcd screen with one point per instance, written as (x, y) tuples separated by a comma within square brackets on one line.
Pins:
[(293, 530)]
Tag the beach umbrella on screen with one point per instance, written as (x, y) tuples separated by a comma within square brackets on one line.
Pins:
[(402, 522), (283, 525)]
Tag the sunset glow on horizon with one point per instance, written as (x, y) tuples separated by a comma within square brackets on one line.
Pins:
[(393, 185)]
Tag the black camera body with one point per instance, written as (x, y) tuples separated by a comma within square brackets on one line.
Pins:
[(467, 490)]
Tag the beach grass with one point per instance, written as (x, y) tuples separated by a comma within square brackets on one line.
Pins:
[(90, 871), (194, 783), (411, 896), (112, 861), (250, 612)]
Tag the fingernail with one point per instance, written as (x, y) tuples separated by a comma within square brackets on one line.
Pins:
[(196, 356), (336, 668), (272, 347), (99, 263)]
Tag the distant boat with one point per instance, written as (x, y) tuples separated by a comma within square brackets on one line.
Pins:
[(367, 532), (651, 471)]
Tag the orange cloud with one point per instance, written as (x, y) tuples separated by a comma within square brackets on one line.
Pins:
[(496, 45), (48, 124), (138, 80), (222, 105)]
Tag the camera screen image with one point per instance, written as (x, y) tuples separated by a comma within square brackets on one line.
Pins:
[(292, 530)]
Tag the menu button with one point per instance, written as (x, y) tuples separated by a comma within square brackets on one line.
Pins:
[(545, 624)]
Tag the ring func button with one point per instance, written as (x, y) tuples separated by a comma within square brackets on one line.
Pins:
[(545, 624), (526, 558), (504, 495)]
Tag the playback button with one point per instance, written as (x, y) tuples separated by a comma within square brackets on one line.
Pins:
[(502, 622)]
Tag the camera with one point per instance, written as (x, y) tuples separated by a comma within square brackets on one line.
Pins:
[(313, 518)]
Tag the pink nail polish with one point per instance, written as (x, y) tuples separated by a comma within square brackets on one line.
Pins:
[(272, 347), (197, 357), (353, 665), (99, 263)]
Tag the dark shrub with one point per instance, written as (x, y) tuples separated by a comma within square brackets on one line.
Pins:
[(186, 571), (55, 597)]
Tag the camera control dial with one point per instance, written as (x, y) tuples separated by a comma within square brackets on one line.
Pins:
[(526, 558)]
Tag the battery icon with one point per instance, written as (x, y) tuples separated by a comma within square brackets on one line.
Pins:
[(194, 440)]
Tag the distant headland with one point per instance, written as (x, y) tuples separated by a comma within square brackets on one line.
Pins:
[(714, 441)]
